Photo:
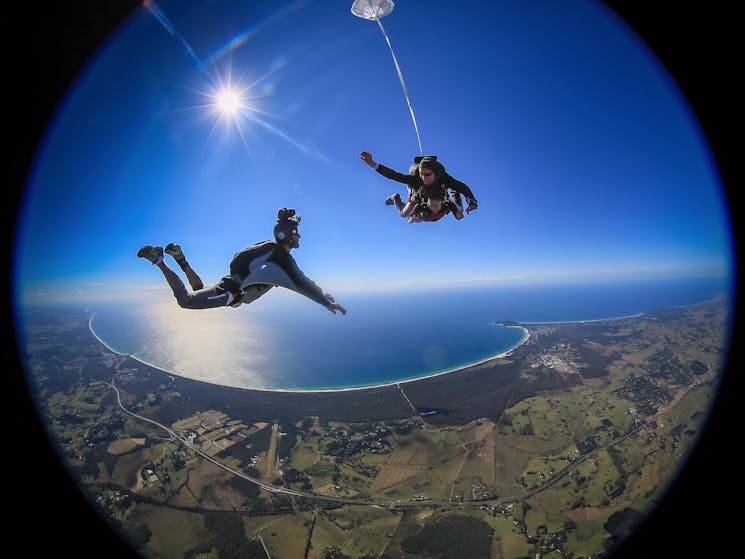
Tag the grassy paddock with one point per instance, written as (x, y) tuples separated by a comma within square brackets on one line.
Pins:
[(326, 534), (174, 532), (288, 535)]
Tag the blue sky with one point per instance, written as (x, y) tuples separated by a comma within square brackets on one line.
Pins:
[(586, 160)]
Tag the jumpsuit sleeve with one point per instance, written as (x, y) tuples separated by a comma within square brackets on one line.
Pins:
[(458, 186), (389, 173), (305, 286)]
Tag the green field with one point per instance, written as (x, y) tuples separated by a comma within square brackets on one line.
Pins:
[(598, 420)]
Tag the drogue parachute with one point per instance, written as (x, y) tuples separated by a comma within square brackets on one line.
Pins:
[(374, 10)]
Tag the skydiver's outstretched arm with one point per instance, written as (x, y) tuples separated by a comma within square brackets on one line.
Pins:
[(461, 188), (405, 209), (333, 307), (455, 203), (387, 172), (367, 158), (297, 281)]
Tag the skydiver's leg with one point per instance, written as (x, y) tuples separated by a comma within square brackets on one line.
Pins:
[(205, 298), (175, 251), (194, 280), (418, 212), (174, 282), (408, 209), (413, 203), (404, 208), (395, 200)]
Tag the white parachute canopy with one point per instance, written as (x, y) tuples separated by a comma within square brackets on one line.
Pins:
[(372, 9)]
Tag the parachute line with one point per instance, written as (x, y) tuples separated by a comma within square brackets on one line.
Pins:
[(403, 86)]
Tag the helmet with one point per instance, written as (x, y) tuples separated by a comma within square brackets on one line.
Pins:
[(286, 226)]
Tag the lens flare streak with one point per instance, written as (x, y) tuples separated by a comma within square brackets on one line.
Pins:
[(228, 100), (158, 14)]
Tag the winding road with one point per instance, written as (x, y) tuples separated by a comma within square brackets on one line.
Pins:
[(384, 503)]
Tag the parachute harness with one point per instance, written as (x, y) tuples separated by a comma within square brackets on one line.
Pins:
[(375, 10)]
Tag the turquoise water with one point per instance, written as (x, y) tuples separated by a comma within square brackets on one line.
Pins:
[(284, 341)]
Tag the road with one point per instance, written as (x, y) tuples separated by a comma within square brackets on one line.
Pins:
[(385, 503)]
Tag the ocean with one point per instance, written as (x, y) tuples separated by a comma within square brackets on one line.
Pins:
[(283, 341)]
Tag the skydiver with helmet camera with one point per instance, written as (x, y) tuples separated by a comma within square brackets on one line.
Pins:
[(253, 271)]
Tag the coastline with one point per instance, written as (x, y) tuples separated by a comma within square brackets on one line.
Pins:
[(637, 315), (502, 354), (624, 317)]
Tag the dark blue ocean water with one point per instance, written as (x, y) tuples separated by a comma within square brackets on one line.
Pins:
[(284, 341)]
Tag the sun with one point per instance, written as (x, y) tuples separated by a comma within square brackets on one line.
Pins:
[(229, 102), (233, 106)]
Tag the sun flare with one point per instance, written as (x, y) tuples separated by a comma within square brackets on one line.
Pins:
[(229, 102)]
